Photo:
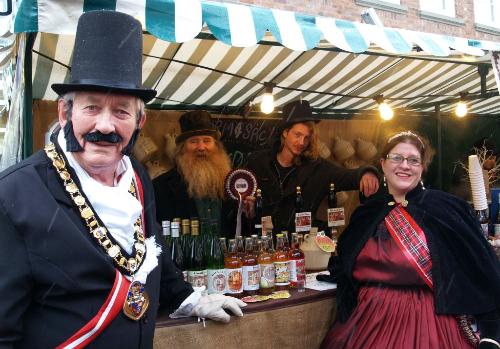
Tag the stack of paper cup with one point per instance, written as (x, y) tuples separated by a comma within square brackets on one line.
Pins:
[(477, 184)]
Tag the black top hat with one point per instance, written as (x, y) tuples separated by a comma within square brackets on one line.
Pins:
[(295, 112), (196, 123), (107, 56)]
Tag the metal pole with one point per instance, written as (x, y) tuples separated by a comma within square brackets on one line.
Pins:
[(28, 97), (437, 110)]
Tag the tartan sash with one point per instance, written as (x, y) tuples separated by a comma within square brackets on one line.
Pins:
[(411, 240)]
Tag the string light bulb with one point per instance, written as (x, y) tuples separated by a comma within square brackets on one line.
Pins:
[(385, 110), (461, 107), (267, 103)]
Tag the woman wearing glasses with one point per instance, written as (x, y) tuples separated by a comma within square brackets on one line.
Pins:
[(414, 266)]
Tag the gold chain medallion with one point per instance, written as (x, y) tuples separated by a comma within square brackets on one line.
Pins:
[(137, 301)]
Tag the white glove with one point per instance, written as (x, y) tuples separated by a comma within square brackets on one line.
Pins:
[(212, 307)]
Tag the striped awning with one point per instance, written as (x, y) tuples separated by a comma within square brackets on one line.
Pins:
[(243, 26), (217, 56)]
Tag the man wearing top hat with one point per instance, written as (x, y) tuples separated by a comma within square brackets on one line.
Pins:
[(80, 262), (195, 186), (293, 161)]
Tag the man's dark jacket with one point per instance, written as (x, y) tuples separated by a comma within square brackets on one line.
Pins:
[(465, 270), (173, 201), (54, 276), (314, 178)]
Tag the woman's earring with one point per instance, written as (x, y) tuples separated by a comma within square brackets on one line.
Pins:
[(385, 184), (422, 184)]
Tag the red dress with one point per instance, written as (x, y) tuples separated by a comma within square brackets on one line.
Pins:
[(395, 308)]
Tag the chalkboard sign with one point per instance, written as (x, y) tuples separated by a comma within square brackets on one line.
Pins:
[(241, 137)]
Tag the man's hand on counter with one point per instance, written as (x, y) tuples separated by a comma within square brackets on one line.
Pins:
[(248, 206), (213, 307)]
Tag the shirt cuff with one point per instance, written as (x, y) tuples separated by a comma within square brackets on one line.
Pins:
[(188, 304)]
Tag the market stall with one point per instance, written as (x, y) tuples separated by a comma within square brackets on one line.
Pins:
[(298, 322), (198, 58)]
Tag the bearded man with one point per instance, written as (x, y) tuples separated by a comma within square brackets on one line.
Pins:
[(195, 187)]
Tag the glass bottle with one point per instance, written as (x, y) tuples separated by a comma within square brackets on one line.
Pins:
[(223, 245), (175, 235), (197, 271), (483, 217), (332, 197), (165, 226), (240, 246), (234, 277), (250, 269), (297, 265), (299, 200), (266, 267), (281, 264), (186, 236), (176, 253), (216, 282), (286, 244), (259, 208)]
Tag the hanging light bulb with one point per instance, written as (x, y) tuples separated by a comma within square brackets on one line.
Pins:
[(461, 108), (267, 103), (386, 112)]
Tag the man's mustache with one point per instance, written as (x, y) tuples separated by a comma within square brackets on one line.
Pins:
[(98, 136)]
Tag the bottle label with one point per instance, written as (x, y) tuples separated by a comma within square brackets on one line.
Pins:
[(197, 278), (216, 281), (234, 280), (302, 221), (282, 270), (336, 217), (297, 270), (267, 275), (251, 276)]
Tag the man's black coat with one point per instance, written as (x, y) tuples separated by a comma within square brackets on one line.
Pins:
[(54, 276)]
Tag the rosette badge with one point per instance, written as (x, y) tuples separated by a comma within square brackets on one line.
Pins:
[(240, 183)]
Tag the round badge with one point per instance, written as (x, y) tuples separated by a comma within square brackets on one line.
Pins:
[(240, 183)]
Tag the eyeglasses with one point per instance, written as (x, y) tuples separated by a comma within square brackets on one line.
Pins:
[(398, 159)]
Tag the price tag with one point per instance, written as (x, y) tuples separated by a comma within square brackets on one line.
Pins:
[(324, 242), (302, 221), (336, 217)]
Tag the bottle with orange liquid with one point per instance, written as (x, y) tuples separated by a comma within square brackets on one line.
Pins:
[(281, 263), (251, 272), (266, 266), (297, 265), (232, 264)]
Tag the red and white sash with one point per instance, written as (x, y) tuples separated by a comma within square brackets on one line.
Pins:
[(109, 310), (113, 304)]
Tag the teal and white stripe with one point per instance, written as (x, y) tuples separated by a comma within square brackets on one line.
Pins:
[(243, 26)]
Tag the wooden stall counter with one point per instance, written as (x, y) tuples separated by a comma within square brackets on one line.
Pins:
[(300, 321)]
